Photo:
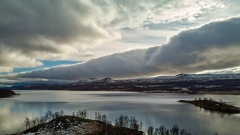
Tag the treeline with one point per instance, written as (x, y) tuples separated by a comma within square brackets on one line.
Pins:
[(164, 131), (122, 122), (50, 116), (133, 123)]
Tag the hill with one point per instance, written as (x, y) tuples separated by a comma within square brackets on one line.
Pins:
[(75, 125)]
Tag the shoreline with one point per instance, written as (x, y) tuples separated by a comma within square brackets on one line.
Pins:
[(156, 91)]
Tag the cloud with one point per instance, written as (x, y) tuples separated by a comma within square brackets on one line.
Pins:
[(63, 29), (234, 70), (212, 46), (137, 13), (48, 29), (9, 59), (119, 65)]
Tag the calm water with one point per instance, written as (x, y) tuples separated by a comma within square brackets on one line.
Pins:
[(150, 108)]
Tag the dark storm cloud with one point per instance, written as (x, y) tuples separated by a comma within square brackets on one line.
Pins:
[(34, 29), (212, 46), (55, 20)]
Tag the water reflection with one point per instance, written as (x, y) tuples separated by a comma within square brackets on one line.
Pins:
[(151, 109)]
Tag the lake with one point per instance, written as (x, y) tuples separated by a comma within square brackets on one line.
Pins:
[(152, 109)]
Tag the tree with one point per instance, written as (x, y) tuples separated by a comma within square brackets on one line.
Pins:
[(27, 123), (167, 132), (43, 119), (183, 132), (116, 123), (84, 113), (134, 123), (125, 121), (34, 122), (104, 118), (175, 130), (49, 115), (140, 126), (62, 113), (156, 131), (120, 120), (37, 120), (150, 130), (56, 114), (98, 116), (162, 130)]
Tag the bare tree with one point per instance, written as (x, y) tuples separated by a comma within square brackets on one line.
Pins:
[(104, 118), (175, 130), (56, 114), (34, 122), (84, 113), (156, 131), (162, 130), (150, 130), (183, 132), (27, 123), (167, 132), (62, 113), (43, 119), (37, 120)]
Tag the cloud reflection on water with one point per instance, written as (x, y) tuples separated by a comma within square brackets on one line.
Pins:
[(152, 109)]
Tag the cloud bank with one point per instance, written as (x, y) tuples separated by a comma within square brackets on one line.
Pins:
[(212, 46), (32, 30)]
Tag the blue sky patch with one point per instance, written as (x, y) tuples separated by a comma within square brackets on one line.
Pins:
[(46, 64)]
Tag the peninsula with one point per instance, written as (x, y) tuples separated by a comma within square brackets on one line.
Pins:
[(6, 93), (212, 105)]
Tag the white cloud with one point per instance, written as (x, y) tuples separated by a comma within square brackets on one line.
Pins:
[(119, 65), (212, 46), (234, 70)]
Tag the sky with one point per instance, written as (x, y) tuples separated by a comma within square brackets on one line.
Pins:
[(79, 39)]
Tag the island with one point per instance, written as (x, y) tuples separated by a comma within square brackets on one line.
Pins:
[(210, 104), (7, 93)]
